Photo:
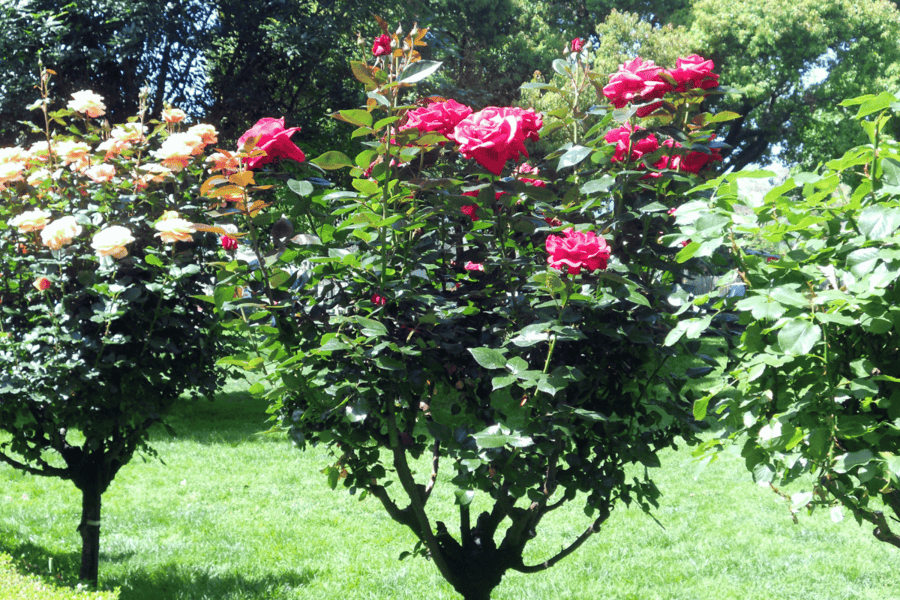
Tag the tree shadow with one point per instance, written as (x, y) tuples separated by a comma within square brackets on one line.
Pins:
[(172, 580), (230, 418), (164, 582)]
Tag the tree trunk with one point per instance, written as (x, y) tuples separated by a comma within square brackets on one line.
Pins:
[(90, 533)]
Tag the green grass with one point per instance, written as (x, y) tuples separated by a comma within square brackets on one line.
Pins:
[(235, 515)]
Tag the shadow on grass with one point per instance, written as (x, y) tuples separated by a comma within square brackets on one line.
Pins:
[(231, 418), (175, 581), (163, 583)]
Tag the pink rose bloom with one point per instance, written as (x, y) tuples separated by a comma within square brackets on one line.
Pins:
[(41, 284), (577, 45), (494, 135), (378, 300), (577, 250), (535, 182), (636, 81), (274, 140), (470, 266), (439, 117), (382, 45), (88, 103), (31, 220), (60, 232), (694, 72)]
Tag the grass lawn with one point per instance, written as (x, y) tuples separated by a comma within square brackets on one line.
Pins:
[(236, 515)]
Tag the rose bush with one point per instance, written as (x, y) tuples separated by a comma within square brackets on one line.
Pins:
[(441, 307), (100, 331)]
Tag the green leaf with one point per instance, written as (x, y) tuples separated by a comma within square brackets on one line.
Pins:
[(371, 327), (561, 66), (761, 307), (799, 336), (301, 188), (332, 160), (489, 358), (853, 459), (862, 262), (876, 104), (573, 156), (497, 436), (598, 186), (878, 221), (360, 118), (721, 117), (152, 259), (419, 70)]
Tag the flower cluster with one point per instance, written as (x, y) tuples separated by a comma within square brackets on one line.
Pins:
[(640, 82), (437, 117), (632, 148)]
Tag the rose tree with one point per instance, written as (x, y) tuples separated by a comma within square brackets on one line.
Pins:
[(99, 332), (449, 314)]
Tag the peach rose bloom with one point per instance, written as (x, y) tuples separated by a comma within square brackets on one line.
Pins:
[(10, 172), (112, 241), (221, 162), (175, 153), (88, 103), (38, 177), (60, 232), (173, 228), (73, 152), (101, 173), (207, 133), (173, 115), (31, 220)]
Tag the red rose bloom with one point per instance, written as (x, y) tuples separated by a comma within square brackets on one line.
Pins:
[(636, 81), (274, 139), (228, 242), (382, 45), (469, 211), (694, 72), (577, 45), (378, 300), (578, 249), (621, 137), (494, 135), (439, 117)]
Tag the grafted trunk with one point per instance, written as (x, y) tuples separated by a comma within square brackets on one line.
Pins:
[(90, 532)]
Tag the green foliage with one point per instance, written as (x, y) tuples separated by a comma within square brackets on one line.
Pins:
[(812, 385)]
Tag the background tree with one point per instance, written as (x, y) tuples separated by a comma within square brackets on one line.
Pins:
[(112, 47)]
